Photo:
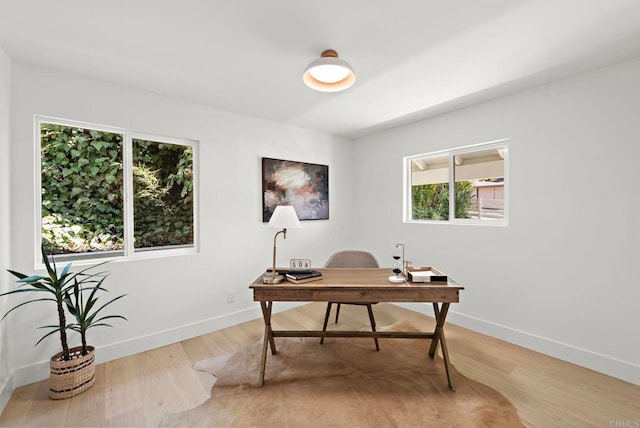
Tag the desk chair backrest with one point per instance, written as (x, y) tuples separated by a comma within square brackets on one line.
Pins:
[(352, 259)]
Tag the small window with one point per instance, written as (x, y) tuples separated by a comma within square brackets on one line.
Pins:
[(86, 210), (474, 175)]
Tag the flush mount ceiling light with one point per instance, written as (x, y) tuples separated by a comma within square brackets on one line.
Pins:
[(329, 73)]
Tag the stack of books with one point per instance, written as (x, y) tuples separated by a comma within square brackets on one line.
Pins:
[(302, 276)]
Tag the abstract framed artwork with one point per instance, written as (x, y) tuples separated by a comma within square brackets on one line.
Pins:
[(305, 186)]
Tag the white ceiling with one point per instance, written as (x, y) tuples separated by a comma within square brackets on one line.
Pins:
[(413, 58)]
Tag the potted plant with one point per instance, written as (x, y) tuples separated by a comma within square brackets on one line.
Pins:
[(72, 369), (84, 310)]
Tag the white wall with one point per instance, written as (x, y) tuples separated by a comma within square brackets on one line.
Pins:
[(562, 278), (170, 299), (5, 348)]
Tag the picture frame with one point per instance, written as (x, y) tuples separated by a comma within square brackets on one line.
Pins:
[(305, 186)]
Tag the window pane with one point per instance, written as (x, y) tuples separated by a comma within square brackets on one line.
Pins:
[(430, 188), (479, 184), (163, 194), (82, 207)]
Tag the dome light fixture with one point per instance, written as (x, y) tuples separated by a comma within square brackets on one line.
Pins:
[(329, 73)]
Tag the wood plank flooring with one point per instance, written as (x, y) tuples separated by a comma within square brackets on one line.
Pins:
[(137, 391)]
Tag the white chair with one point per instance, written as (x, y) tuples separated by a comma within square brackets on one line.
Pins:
[(351, 259)]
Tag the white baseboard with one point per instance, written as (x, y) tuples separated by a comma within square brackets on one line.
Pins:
[(605, 364), (40, 371), (5, 392)]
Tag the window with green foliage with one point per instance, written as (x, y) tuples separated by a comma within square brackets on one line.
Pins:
[(474, 175), (163, 194), (86, 174)]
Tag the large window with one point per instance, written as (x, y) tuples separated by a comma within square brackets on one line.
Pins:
[(110, 192), (465, 185)]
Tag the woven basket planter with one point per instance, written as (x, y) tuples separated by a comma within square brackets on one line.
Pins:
[(71, 377)]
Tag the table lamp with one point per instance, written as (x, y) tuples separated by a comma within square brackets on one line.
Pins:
[(284, 217)]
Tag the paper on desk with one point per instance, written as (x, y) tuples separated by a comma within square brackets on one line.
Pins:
[(423, 273)]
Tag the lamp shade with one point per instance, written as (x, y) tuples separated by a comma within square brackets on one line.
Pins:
[(284, 217), (329, 73)]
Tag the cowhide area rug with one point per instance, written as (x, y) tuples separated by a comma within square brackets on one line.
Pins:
[(344, 383)]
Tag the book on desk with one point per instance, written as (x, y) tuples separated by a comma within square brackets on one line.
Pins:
[(302, 276)]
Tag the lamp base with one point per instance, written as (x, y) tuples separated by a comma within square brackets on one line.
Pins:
[(269, 278)]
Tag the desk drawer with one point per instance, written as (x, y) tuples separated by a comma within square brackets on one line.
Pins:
[(401, 294)]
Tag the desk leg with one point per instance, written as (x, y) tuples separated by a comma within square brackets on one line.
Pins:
[(436, 338), (441, 315), (266, 314), (268, 338)]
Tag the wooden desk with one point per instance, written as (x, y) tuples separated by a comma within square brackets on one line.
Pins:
[(356, 285)]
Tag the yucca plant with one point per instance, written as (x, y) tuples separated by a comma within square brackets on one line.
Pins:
[(81, 308), (52, 288)]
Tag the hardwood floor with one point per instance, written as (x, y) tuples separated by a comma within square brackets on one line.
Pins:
[(139, 390)]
